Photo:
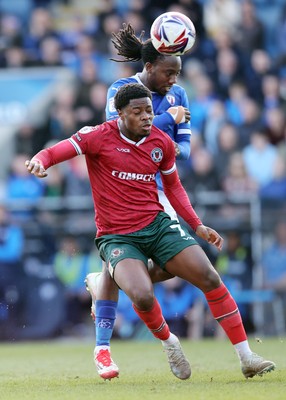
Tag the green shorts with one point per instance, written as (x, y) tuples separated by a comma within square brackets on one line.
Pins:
[(161, 240)]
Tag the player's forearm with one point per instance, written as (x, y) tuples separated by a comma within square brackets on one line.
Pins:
[(179, 199), (163, 120), (185, 150), (56, 154)]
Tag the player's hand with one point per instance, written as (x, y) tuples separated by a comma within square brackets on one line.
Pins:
[(36, 168), (210, 236), (177, 149), (180, 114)]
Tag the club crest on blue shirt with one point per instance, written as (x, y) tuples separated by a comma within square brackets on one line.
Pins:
[(171, 99), (157, 154)]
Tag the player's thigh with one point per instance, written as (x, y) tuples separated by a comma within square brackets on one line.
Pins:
[(107, 289), (193, 265), (133, 278), (127, 265), (157, 274)]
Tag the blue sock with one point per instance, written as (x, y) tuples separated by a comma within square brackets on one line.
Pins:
[(104, 321)]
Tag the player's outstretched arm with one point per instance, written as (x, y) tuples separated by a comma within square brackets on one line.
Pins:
[(62, 151)]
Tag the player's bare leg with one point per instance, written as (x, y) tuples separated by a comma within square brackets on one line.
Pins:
[(192, 265), (132, 276)]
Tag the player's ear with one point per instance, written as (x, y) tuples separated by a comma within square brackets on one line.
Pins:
[(148, 66)]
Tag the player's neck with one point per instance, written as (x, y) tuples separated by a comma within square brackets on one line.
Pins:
[(124, 132), (144, 78)]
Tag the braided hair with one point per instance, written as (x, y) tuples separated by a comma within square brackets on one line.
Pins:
[(132, 48)]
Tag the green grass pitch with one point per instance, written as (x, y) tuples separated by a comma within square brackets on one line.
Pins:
[(64, 370)]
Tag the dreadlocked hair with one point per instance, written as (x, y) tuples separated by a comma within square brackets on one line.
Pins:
[(133, 48)]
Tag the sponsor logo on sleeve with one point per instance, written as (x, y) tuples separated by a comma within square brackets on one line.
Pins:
[(86, 129)]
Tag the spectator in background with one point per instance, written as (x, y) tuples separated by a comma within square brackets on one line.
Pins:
[(40, 27), (16, 57), (274, 260), (275, 125), (259, 158), (87, 77), (269, 13), (228, 71), (260, 65), (30, 138), (202, 176), (236, 179), (237, 93), (221, 13), (227, 144), (93, 111), (202, 101), (25, 139), (76, 178), (237, 184), (249, 34), (234, 264), (21, 185), (281, 146), (62, 119), (251, 121), (216, 118), (79, 25), (275, 189), (50, 54), (10, 36), (271, 95), (70, 269), (55, 183), (86, 50), (108, 22), (11, 272)]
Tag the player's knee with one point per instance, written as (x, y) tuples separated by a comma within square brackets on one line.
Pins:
[(212, 280), (143, 299)]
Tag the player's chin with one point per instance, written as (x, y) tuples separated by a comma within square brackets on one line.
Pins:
[(163, 91), (146, 130)]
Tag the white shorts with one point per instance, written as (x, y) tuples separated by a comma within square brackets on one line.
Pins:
[(167, 205)]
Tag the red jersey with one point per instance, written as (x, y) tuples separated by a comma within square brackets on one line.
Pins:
[(122, 176)]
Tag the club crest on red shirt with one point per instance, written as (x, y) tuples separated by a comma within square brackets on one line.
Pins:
[(157, 154)]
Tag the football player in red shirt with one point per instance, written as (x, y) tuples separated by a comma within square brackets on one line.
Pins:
[(123, 157)]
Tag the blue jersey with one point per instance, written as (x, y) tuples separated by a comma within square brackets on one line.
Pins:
[(179, 133)]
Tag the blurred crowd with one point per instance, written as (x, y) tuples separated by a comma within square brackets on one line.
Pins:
[(235, 79)]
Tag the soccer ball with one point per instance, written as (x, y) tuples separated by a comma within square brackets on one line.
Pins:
[(173, 33)]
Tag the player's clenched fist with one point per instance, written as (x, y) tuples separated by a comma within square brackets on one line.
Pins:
[(36, 168), (180, 114)]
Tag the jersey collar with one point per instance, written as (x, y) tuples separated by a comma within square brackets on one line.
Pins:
[(129, 140)]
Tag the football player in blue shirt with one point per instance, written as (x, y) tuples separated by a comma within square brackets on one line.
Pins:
[(172, 115)]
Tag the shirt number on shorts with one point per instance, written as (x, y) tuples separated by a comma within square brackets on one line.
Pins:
[(179, 228)]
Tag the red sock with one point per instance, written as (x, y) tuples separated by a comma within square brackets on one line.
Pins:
[(225, 311), (154, 320)]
